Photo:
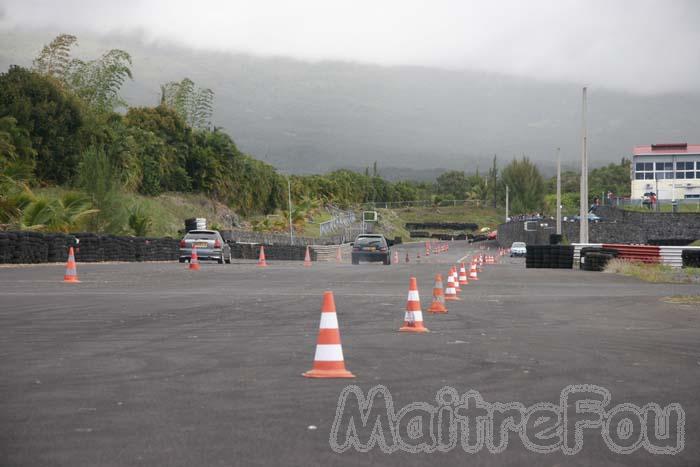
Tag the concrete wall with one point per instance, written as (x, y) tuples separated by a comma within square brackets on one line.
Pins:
[(619, 227)]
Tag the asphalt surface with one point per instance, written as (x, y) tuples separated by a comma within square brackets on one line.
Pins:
[(152, 364)]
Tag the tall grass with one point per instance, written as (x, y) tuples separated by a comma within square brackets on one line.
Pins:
[(657, 273)]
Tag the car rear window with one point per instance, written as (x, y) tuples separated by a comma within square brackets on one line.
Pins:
[(200, 236), (370, 241)]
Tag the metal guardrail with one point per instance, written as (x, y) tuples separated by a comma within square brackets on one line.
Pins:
[(337, 222), (422, 203)]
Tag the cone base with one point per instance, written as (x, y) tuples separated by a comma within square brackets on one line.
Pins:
[(438, 310), (71, 279), (464, 283), (453, 299), (194, 267), (262, 265), (413, 329), (307, 265), (313, 373)]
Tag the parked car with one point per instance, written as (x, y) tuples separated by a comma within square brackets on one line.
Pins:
[(209, 244), (591, 218), (518, 249), (371, 248)]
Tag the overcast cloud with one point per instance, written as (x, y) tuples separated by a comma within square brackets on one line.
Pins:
[(640, 46)]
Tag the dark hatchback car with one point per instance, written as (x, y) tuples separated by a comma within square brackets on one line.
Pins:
[(371, 248)]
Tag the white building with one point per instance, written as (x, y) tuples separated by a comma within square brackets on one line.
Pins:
[(672, 171)]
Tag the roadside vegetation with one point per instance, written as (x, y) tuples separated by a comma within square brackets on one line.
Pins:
[(74, 156), (657, 273)]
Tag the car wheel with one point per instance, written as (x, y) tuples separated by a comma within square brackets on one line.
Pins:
[(228, 260), (220, 260), (182, 260), (387, 261), (355, 260)]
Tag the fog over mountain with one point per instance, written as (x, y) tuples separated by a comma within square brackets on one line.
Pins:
[(312, 116)]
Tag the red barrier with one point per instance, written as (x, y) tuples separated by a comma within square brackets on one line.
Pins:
[(643, 253)]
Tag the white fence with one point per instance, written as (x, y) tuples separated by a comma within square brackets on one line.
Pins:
[(339, 221)]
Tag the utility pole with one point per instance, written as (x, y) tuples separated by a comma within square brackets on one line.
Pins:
[(583, 223), (507, 195), (289, 199), (558, 192)]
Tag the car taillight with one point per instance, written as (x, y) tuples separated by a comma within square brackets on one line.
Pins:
[(217, 244), (182, 244), (383, 248)]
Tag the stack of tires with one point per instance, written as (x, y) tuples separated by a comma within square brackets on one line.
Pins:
[(555, 239), (195, 223), (691, 258), (549, 256), (5, 248), (57, 245), (29, 247), (595, 259)]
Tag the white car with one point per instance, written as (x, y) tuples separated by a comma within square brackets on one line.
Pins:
[(518, 249)]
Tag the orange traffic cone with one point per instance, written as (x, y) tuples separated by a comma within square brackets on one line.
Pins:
[(463, 275), (455, 278), (307, 257), (339, 255), (71, 271), (396, 258), (450, 291), (438, 305), (328, 360), (194, 259), (472, 272), (413, 321), (261, 259)]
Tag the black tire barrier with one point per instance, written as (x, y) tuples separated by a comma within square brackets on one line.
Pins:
[(419, 234), (35, 247), (555, 239), (272, 252), (549, 256), (596, 261), (671, 241), (691, 258), (441, 226)]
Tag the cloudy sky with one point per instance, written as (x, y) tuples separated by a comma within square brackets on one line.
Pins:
[(641, 46)]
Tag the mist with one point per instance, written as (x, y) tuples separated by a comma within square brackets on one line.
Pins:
[(647, 47)]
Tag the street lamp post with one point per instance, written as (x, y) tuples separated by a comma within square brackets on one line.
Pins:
[(289, 199), (583, 206), (507, 196), (558, 192)]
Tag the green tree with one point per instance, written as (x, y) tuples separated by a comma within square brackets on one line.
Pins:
[(54, 60), (98, 82), (50, 116), (17, 157), (453, 183), (194, 104), (66, 213), (99, 179), (526, 185), (612, 177)]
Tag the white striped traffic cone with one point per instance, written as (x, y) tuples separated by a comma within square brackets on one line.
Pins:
[(413, 320), (328, 360)]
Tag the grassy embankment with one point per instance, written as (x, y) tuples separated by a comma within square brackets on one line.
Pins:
[(656, 273)]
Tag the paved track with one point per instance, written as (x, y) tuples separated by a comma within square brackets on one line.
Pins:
[(151, 364)]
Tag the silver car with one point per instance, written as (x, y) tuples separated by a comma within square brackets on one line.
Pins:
[(209, 244)]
